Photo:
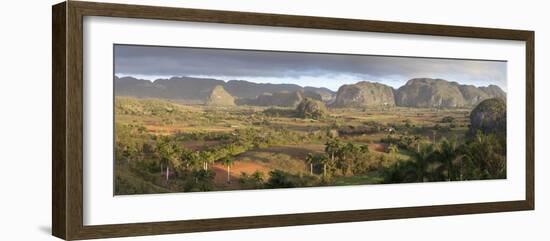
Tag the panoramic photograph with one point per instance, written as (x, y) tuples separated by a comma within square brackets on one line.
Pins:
[(203, 119)]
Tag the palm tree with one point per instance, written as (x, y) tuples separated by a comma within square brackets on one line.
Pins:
[(129, 152), (206, 158), (416, 140), (448, 153), (228, 161), (167, 152), (331, 148), (310, 159), (488, 154), (324, 160), (434, 133), (392, 149), (194, 160), (186, 157), (346, 154), (422, 158)]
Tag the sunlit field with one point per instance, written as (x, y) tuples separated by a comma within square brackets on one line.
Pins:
[(170, 146)]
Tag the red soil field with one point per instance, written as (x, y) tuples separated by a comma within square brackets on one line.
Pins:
[(236, 169), (379, 147)]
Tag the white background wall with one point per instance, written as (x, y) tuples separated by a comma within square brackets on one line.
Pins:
[(25, 120)]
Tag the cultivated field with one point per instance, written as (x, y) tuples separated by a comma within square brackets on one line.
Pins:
[(167, 146)]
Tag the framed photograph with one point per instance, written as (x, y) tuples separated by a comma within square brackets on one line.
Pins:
[(171, 120)]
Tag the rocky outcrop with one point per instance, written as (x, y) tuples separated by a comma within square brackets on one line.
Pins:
[(472, 95), (427, 92), (494, 92), (219, 97), (364, 94), (419, 92), (310, 108), (489, 116)]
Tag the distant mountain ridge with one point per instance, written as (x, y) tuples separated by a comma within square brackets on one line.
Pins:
[(199, 89), (281, 99), (418, 92)]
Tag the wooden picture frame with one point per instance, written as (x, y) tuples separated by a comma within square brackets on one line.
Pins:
[(67, 124)]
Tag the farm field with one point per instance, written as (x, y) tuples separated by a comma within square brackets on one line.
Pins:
[(167, 146)]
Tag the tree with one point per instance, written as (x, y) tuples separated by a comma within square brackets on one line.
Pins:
[(487, 154), (325, 161), (411, 171), (280, 179), (346, 155), (361, 160), (129, 152), (206, 158), (448, 153), (401, 172), (422, 159), (392, 150), (310, 160), (203, 180), (168, 153), (321, 159), (228, 161), (331, 148), (253, 181), (186, 157), (416, 141)]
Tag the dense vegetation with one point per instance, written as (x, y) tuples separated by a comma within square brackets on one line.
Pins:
[(482, 157), (163, 146)]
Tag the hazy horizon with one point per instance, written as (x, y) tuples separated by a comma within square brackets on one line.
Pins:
[(304, 69)]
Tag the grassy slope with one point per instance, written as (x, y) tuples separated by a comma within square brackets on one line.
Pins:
[(127, 182)]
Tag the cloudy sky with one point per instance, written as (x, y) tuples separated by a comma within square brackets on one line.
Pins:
[(305, 69)]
